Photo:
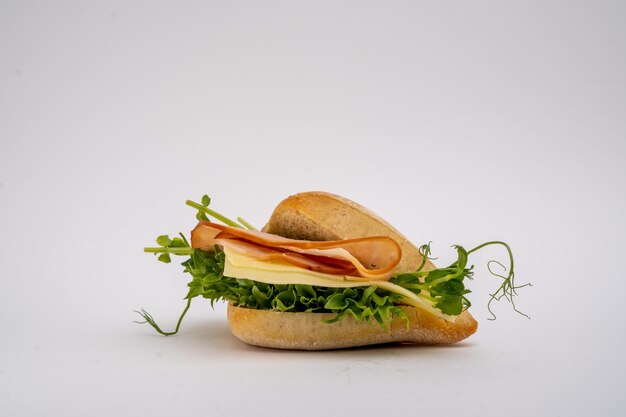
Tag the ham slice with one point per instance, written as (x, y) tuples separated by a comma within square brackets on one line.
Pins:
[(369, 258)]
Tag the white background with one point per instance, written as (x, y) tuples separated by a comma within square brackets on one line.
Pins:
[(458, 122)]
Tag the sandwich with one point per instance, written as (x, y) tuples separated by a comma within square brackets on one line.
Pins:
[(325, 273)]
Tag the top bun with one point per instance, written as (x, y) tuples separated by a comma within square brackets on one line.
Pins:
[(319, 215)]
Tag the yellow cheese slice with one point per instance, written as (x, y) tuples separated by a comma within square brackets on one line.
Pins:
[(239, 265)]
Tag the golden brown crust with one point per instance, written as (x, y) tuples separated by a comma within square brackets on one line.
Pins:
[(308, 331), (324, 216)]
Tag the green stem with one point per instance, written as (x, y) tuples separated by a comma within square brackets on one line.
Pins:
[(418, 274), (184, 239), (148, 319), (442, 279), (173, 251), (507, 288), (424, 250), (246, 224), (212, 213), (496, 242)]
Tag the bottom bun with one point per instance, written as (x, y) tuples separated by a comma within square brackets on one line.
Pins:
[(308, 331)]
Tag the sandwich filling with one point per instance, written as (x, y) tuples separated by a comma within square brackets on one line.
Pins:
[(240, 265), (365, 259)]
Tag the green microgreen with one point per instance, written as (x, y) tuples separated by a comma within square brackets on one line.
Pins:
[(204, 210), (508, 288)]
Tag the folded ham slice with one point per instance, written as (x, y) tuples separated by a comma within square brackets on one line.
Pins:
[(369, 258)]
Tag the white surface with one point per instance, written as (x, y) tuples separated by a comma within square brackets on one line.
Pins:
[(459, 123)]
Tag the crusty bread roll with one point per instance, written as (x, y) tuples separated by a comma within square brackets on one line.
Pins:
[(324, 216)]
